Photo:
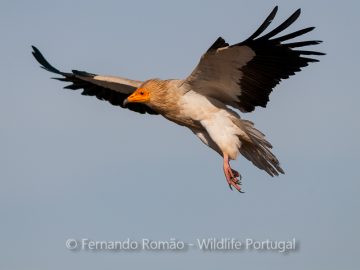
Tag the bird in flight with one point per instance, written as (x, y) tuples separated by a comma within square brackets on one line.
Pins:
[(227, 78)]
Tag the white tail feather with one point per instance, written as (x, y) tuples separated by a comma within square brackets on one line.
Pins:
[(257, 149)]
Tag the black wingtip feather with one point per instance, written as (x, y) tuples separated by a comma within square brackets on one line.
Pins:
[(284, 25), (302, 43), (309, 52), (43, 62), (265, 24), (60, 79), (293, 34)]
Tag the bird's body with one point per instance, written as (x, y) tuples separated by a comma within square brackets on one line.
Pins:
[(215, 124), (240, 76)]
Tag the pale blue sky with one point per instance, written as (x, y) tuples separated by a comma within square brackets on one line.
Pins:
[(75, 167)]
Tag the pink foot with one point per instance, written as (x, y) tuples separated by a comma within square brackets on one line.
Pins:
[(232, 176)]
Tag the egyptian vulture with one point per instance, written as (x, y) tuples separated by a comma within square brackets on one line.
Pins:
[(227, 78)]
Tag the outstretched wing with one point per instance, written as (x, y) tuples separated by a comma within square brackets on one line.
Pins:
[(243, 75), (109, 88)]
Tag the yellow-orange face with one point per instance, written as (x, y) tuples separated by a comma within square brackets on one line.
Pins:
[(140, 95)]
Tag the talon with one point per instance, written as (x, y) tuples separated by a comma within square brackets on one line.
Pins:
[(235, 173), (232, 175)]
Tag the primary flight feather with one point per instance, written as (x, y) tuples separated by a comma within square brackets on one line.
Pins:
[(240, 76)]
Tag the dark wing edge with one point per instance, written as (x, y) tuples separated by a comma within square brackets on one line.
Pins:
[(90, 89), (273, 61), (219, 43)]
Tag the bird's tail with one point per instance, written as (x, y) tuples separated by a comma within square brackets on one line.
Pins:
[(257, 150)]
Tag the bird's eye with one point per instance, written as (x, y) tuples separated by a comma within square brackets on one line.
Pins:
[(142, 93)]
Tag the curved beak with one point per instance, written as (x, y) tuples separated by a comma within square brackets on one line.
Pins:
[(125, 102), (137, 96)]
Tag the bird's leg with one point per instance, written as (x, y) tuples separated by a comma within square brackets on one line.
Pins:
[(231, 175)]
